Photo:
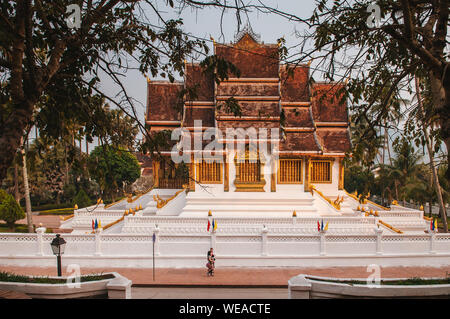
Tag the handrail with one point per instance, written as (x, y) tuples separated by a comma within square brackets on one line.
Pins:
[(160, 203), (373, 213), (114, 203), (119, 220), (366, 201), (64, 218), (336, 204), (390, 227)]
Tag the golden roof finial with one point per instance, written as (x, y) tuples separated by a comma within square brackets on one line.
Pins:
[(212, 39), (294, 214), (76, 206), (209, 213), (148, 80)]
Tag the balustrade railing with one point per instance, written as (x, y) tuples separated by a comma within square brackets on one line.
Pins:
[(172, 183)]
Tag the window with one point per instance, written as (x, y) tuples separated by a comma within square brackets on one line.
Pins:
[(209, 171), (249, 171), (321, 172), (290, 171)]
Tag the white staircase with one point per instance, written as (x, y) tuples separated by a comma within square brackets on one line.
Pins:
[(246, 204)]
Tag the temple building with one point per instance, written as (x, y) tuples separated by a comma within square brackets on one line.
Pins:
[(310, 120)]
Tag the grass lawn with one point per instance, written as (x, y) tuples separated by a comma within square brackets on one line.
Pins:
[(59, 211), (405, 282), (20, 228), (10, 277)]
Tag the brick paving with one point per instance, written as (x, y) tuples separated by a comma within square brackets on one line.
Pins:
[(48, 221), (231, 276)]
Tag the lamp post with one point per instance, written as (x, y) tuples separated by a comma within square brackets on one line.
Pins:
[(58, 245)]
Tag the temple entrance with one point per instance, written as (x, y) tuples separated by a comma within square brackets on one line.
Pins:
[(249, 172), (170, 175)]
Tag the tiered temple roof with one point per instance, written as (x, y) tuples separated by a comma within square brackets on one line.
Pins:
[(316, 118)]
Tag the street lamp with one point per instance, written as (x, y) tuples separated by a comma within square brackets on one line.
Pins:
[(58, 244)]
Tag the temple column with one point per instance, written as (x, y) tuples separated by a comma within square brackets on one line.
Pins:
[(226, 178), (307, 173), (156, 165), (273, 181), (341, 174), (192, 174)]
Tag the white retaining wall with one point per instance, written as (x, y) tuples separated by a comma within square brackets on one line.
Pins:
[(245, 250)]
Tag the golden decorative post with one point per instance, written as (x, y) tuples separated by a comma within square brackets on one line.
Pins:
[(341, 174), (155, 165), (273, 180), (307, 174), (226, 176)]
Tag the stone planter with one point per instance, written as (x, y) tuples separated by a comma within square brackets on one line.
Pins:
[(118, 287), (312, 287)]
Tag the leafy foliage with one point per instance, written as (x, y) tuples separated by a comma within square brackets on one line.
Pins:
[(10, 211), (113, 169), (81, 199)]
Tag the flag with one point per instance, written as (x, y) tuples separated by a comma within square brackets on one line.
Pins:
[(215, 226), (321, 226), (432, 224), (435, 224), (326, 226), (96, 224), (318, 226), (93, 225), (209, 225), (99, 223)]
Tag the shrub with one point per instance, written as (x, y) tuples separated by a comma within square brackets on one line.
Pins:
[(82, 199), (10, 211)]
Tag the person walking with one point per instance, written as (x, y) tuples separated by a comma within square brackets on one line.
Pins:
[(211, 261)]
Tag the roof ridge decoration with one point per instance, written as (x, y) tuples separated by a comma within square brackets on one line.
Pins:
[(249, 31)]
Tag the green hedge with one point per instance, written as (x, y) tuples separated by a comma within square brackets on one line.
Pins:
[(59, 211), (10, 277)]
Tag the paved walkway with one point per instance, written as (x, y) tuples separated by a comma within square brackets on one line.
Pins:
[(48, 221), (208, 293), (237, 277)]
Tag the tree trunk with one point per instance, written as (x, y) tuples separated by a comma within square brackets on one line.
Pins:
[(437, 186), (16, 183), (440, 89), (27, 193)]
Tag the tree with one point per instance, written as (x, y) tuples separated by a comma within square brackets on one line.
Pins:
[(42, 59), (81, 199), (10, 211), (410, 40), (113, 169)]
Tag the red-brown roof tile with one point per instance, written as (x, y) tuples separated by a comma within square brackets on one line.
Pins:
[(201, 82), (298, 117), (163, 101), (328, 102), (299, 141), (294, 83), (254, 60), (334, 139)]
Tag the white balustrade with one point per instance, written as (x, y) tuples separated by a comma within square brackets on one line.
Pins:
[(259, 243)]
